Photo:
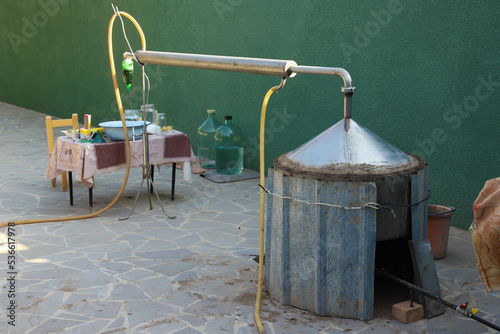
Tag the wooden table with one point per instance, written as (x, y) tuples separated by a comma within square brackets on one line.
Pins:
[(86, 160)]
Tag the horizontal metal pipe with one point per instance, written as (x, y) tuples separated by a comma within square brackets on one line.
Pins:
[(282, 68), (324, 71), (219, 63)]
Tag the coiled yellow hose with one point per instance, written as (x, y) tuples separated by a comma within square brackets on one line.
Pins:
[(122, 116)]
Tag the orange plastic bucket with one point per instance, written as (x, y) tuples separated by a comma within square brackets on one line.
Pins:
[(438, 228)]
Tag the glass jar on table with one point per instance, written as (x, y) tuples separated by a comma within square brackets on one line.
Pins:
[(132, 115), (161, 121), (149, 112)]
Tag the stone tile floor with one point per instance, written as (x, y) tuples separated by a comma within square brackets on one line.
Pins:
[(149, 274)]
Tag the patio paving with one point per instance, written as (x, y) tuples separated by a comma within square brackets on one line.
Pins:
[(149, 274)]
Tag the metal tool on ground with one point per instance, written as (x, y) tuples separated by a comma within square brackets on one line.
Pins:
[(425, 274), (461, 309)]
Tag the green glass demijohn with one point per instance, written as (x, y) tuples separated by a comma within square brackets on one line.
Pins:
[(206, 141), (228, 148)]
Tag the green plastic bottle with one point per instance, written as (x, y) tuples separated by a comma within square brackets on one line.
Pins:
[(128, 72), (206, 143), (228, 148)]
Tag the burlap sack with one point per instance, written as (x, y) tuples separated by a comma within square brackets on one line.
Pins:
[(486, 233)]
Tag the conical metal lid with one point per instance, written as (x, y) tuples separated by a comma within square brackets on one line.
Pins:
[(347, 142)]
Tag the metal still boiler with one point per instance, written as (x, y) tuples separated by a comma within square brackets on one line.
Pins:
[(333, 202)]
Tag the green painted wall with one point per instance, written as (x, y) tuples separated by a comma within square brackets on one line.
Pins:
[(427, 73)]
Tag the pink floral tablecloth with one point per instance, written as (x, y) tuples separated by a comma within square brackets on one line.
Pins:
[(86, 160)]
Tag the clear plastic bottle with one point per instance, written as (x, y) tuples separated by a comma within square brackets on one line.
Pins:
[(228, 148), (206, 144)]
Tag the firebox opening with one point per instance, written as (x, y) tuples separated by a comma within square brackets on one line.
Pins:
[(394, 257)]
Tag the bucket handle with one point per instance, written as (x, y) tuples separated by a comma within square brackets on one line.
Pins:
[(452, 209)]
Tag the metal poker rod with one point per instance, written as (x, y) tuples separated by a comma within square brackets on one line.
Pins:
[(465, 312), (276, 67)]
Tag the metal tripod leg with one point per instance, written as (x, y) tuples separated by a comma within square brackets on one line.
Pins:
[(149, 183), (150, 187), (159, 201), (135, 202)]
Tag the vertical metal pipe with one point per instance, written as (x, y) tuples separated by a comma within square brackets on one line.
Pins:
[(347, 105), (348, 89), (144, 130)]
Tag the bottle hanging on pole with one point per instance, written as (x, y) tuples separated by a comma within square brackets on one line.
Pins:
[(128, 72)]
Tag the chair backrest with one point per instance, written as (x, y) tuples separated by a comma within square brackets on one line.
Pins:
[(51, 124)]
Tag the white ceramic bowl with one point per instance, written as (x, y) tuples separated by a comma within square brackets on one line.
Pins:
[(114, 129)]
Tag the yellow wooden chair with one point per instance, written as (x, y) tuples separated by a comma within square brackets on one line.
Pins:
[(51, 124)]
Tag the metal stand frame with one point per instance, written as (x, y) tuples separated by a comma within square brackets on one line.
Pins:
[(146, 167)]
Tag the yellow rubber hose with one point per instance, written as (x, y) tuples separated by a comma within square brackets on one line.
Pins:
[(122, 116), (258, 322)]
